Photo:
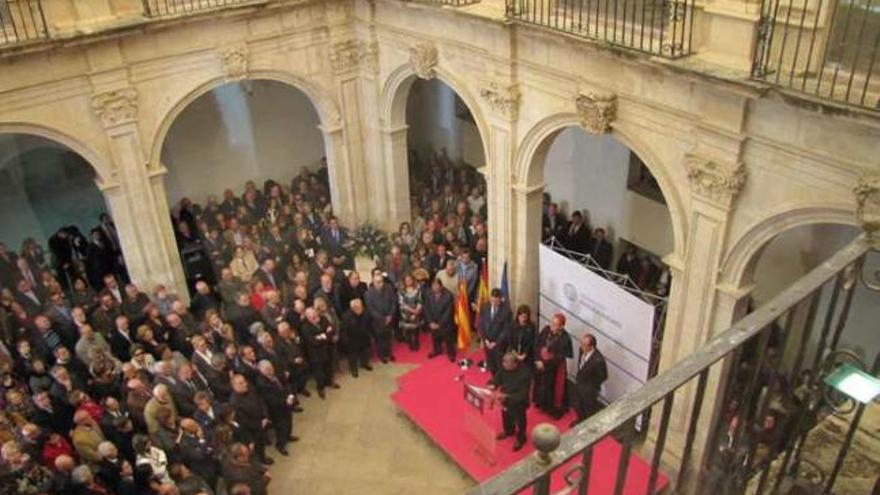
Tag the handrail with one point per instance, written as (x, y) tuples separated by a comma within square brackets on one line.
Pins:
[(617, 415)]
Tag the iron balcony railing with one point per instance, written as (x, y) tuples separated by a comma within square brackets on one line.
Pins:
[(158, 8), (21, 21), (825, 48), (659, 27), (747, 360)]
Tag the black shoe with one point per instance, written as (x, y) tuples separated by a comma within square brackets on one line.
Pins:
[(518, 445), (297, 409), (433, 355), (451, 359), (335, 385), (392, 358), (368, 367), (354, 374), (501, 436), (293, 438), (321, 394), (267, 461), (384, 360), (283, 451), (305, 393)]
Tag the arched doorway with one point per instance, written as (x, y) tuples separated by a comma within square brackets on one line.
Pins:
[(49, 204), (603, 209), (445, 152), (225, 150)]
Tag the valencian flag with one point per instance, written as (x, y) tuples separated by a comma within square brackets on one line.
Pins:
[(463, 316), (482, 292)]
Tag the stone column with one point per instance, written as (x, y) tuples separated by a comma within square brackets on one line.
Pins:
[(503, 101), (698, 307), (358, 179), (137, 198), (397, 158)]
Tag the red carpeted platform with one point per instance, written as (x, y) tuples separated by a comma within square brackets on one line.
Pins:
[(431, 396)]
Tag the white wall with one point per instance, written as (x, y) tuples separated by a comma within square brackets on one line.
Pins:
[(43, 187), (586, 172), (433, 124), (255, 130), (793, 254)]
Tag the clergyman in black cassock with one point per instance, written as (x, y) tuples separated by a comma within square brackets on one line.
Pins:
[(553, 348)]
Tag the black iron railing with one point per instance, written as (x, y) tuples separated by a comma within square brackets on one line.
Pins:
[(659, 27), (773, 354), (826, 48), (21, 21), (157, 8)]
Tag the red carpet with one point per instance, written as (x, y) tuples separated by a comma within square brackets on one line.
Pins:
[(431, 395)]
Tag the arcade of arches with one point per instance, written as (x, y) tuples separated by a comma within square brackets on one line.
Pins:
[(375, 113)]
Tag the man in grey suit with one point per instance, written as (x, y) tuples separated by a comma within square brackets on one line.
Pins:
[(439, 317), (382, 304)]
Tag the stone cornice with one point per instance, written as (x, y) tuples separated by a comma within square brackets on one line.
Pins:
[(596, 110), (423, 58), (503, 100), (713, 180), (350, 55), (116, 107), (867, 194)]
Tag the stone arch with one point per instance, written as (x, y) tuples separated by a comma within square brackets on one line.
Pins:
[(738, 266), (104, 174), (324, 104), (529, 171), (396, 90)]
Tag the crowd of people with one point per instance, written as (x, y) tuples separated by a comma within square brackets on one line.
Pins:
[(106, 388), (573, 233), (109, 389)]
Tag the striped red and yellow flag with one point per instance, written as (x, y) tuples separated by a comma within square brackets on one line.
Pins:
[(482, 292), (463, 317)]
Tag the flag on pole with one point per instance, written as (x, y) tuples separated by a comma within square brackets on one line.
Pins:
[(463, 316), (482, 292), (505, 288)]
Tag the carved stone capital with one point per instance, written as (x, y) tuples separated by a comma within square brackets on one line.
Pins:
[(116, 107), (596, 110), (503, 100), (867, 192), (348, 55), (423, 58), (713, 180), (235, 62)]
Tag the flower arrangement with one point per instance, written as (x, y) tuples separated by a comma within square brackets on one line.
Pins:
[(369, 241)]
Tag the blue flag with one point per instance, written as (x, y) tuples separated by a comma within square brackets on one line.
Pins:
[(505, 288)]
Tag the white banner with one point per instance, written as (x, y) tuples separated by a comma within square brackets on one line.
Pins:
[(622, 323)]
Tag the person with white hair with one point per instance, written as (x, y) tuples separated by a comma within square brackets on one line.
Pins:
[(319, 335), (161, 400), (280, 401)]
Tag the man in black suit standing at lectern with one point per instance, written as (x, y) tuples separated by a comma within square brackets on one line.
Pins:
[(591, 373)]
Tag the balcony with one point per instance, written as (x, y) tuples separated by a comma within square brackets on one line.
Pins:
[(21, 21), (826, 49), (161, 8)]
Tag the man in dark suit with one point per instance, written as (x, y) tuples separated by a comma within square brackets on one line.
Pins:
[(334, 238), (29, 297), (438, 259), (241, 316), (591, 373), (382, 304), (196, 452), (267, 274), (319, 335), (601, 249), (355, 335), (553, 224), (577, 236), (512, 383), (440, 319), (280, 402), (495, 322), (121, 339), (250, 412)]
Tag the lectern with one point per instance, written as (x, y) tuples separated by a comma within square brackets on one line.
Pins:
[(477, 422)]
